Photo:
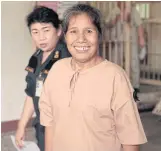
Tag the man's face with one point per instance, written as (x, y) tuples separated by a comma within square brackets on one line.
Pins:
[(44, 35), (82, 38)]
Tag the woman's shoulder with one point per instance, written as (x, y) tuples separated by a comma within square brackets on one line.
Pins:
[(61, 64)]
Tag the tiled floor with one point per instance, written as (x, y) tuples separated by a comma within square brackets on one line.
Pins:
[(151, 124), (6, 144)]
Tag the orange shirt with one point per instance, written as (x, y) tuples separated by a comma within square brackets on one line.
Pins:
[(91, 110)]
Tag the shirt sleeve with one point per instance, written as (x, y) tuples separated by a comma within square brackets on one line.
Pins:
[(137, 18), (126, 116), (30, 85), (45, 107), (112, 15)]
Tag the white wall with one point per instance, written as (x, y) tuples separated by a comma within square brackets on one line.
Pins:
[(16, 48)]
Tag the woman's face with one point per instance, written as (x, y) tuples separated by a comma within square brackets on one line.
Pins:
[(45, 36), (82, 38)]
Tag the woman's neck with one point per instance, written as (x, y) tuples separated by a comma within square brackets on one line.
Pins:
[(76, 65), (45, 56)]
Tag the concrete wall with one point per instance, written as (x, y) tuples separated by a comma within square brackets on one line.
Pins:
[(16, 49)]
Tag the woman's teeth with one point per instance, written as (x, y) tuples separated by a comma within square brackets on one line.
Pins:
[(82, 48)]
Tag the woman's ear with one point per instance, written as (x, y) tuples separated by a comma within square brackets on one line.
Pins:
[(59, 31)]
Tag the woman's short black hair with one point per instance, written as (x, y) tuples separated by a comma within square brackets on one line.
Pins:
[(43, 14)]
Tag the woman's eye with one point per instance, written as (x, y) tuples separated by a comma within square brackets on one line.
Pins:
[(35, 32), (46, 30), (89, 31), (73, 31)]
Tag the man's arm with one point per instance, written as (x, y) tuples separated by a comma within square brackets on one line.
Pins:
[(139, 24), (27, 113), (141, 36), (130, 147)]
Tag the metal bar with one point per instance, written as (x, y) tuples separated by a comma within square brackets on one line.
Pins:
[(150, 82)]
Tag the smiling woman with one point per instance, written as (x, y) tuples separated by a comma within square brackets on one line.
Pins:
[(82, 40), (82, 33), (93, 103)]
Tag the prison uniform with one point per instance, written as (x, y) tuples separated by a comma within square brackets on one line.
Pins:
[(90, 110)]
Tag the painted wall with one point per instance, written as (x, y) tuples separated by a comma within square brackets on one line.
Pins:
[(16, 48)]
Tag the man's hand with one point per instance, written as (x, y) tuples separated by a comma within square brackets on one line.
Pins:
[(142, 53)]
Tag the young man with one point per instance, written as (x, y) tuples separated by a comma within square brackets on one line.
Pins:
[(44, 26), (117, 19), (92, 107)]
